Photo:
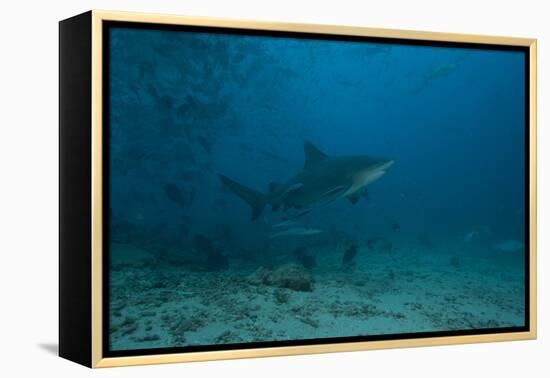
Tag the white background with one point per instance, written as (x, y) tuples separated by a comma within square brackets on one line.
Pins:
[(29, 189)]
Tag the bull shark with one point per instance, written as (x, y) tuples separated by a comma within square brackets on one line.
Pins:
[(322, 180)]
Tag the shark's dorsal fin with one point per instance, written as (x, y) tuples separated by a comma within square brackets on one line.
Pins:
[(313, 155)]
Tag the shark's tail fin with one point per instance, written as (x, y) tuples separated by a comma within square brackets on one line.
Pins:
[(255, 199)]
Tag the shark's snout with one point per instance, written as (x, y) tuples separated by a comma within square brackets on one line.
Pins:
[(387, 164), (369, 175), (382, 166)]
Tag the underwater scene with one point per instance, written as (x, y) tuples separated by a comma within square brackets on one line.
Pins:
[(270, 188)]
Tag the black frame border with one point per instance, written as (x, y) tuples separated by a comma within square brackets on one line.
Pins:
[(108, 25)]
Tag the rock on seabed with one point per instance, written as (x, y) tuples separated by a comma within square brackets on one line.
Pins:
[(288, 276)]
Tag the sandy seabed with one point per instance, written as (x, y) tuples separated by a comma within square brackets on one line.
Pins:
[(153, 305)]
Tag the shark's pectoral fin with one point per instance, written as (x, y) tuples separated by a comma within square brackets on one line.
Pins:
[(354, 198)]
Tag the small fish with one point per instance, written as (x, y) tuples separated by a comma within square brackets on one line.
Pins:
[(174, 194), (395, 226), (440, 72), (202, 244), (296, 232), (373, 242), (425, 240), (350, 254), (301, 213), (471, 235), (205, 143), (509, 246), (285, 223), (214, 260), (304, 258)]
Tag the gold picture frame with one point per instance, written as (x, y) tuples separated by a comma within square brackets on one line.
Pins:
[(94, 356)]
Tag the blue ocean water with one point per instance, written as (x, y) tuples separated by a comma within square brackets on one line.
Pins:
[(435, 243)]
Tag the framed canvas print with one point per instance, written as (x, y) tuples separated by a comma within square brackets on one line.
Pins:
[(235, 189)]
